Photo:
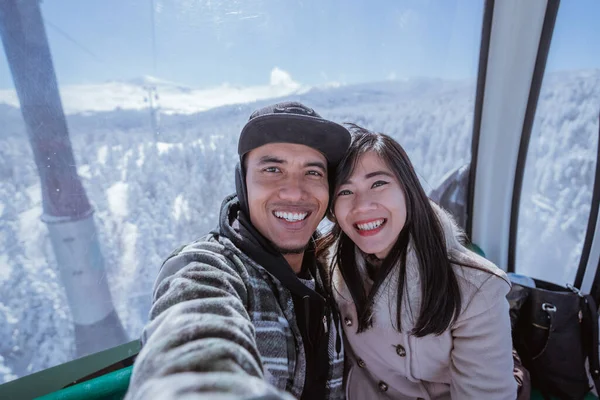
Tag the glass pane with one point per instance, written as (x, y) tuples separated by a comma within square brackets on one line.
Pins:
[(559, 175), (155, 94)]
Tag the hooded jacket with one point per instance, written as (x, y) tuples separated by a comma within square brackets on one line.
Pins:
[(223, 323)]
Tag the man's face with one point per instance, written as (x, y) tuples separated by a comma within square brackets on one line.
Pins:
[(288, 193)]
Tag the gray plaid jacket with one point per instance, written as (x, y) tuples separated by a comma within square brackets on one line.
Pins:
[(221, 325)]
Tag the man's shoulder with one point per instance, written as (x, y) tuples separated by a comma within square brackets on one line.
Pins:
[(209, 249), (208, 242), (214, 249)]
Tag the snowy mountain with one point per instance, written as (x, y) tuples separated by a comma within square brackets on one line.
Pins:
[(155, 191), (173, 98)]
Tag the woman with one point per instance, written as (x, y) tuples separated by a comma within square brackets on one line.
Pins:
[(424, 317)]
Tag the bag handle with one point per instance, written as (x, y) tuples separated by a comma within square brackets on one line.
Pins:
[(550, 309), (590, 324)]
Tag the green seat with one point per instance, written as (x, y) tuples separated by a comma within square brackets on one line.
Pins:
[(111, 386), (476, 249)]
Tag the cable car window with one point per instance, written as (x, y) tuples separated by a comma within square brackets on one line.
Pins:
[(559, 173), (131, 157)]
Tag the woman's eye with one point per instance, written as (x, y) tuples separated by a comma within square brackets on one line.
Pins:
[(379, 183), (344, 192), (271, 169), (314, 173)]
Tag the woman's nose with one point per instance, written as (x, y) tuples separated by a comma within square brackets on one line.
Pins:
[(364, 203)]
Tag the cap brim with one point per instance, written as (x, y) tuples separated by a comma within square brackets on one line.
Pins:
[(329, 138)]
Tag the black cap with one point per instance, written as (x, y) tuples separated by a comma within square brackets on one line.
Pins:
[(293, 122)]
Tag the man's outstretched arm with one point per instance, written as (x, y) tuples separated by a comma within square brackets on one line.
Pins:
[(200, 341)]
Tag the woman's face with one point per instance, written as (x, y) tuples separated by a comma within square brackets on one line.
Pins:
[(370, 206)]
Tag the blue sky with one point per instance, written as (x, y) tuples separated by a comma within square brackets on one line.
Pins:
[(203, 43)]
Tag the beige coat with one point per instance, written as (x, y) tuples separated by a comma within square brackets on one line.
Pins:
[(470, 360)]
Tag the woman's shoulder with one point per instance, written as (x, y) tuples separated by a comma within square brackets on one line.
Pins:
[(483, 287), (473, 270), (476, 275), (482, 284)]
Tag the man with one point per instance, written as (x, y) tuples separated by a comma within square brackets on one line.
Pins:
[(244, 311)]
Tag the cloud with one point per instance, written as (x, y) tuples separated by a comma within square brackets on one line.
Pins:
[(281, 78)]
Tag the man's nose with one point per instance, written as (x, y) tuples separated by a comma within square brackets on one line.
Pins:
[(293, 189)]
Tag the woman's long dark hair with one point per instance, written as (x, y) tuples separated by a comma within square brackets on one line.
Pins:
[(441, 300)]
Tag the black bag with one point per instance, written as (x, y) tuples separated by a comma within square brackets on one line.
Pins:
[(555, 329)]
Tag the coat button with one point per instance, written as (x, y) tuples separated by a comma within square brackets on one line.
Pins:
[(348, 321), (361, 363), (400, 350), (383, 386)]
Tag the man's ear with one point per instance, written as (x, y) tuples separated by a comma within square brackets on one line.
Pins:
[(240, 188)]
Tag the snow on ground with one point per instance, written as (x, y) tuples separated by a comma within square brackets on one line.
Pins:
[(181, 208), (5, 268), (117, 199), (102, 154)]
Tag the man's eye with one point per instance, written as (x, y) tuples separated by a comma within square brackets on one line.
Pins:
[(379, 183), (345, 192), (314, 173), (271, 169)]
